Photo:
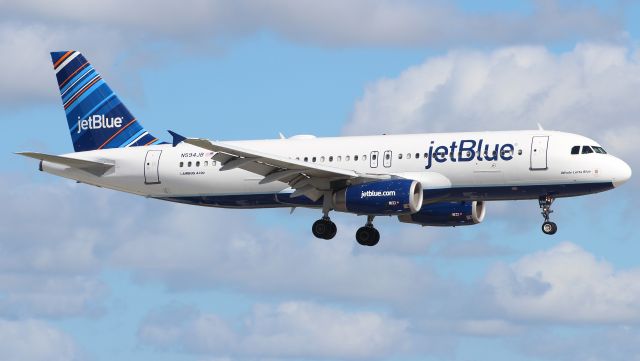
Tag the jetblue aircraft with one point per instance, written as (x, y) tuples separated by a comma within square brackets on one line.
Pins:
[(441, 179)]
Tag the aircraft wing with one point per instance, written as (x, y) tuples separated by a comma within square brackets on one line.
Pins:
[(96, 168), (309, 179)]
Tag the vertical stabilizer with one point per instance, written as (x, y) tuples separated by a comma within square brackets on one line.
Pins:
[(96, 117)]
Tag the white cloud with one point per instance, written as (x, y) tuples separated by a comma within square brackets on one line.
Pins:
[(335, 22), (287, 330), (51, 239), (565, 284), (189, 247), (106, 31), (32, 340), (580, 90)]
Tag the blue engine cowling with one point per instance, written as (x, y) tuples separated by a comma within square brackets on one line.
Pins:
[(395, 196), (447, 214)]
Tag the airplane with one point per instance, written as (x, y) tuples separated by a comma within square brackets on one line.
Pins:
[(433, 179)]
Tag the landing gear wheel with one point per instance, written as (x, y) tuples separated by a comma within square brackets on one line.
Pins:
[(549, 228), (367, 236), (324, 228)]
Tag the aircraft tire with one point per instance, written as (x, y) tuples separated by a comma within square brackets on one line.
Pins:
[(549, 228)]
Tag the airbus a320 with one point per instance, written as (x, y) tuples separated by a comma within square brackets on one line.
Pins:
[(440, 179)]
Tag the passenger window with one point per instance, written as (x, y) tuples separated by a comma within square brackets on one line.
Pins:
[(519, 151), (347, 158), (297, 158), (313, 159), (387, 156), (339, 159), (181, 164), (399, 155), (355, 157), (374, 157), (364, 157), (189, 164), (322, 159), (306, 159), (575, 150), (426, 155), (417, 155), (197, 163), (408, 155), (586, 149), (330, 158), (206, 163)]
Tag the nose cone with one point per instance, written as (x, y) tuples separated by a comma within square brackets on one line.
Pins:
[(621, 172)]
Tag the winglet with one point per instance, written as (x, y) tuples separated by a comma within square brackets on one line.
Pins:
[(177, 138)]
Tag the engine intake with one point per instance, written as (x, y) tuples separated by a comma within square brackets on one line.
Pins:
[(380, 197), (447, 214)]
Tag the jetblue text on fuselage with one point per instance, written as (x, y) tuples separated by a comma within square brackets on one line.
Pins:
[(99, 122), (468, 150)]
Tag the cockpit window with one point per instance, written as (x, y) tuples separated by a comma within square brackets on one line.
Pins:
[(586, 149), (599, 149), (575, 150)]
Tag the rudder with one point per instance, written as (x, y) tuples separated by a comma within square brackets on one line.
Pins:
[(96, 117)]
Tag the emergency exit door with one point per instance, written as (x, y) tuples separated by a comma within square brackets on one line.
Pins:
[(388, 156), (373, 159), (539, 153), (152, 167)]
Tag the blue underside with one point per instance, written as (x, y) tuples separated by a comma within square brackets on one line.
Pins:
[(488, 193)]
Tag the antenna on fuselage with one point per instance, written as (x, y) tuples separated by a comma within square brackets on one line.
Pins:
[(540, 127)]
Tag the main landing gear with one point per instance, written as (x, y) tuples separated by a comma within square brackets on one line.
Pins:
[(368, 235), (324, 228), (548, 227)]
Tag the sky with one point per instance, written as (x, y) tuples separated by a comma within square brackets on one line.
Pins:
[(92, 274)]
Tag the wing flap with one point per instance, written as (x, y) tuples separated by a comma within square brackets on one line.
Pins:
[(264, 164)]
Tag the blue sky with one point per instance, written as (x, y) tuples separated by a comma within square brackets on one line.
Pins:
[(90, 274)]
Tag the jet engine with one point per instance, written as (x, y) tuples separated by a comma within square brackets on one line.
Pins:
[(386, 197), (447, 214)]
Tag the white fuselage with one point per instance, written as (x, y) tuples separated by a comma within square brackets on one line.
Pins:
[(526, 165)]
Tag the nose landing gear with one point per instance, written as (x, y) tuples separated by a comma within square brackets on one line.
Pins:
[(368, 235), (548, 227)]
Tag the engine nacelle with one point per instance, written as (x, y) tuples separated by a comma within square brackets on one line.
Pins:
[(380, 197), (449, 214)]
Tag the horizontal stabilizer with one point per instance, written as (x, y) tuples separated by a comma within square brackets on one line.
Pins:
[(96, 168)]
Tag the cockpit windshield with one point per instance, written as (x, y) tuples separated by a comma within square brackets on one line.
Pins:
[(587, 149), (599, 150)]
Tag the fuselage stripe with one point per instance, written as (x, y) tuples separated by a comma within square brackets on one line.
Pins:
[(67, 61), (116, 133), (81, 91), (74, 73), (152, 140), (62, 58)]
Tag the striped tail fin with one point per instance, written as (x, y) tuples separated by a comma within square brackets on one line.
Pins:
[(96, 117)]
